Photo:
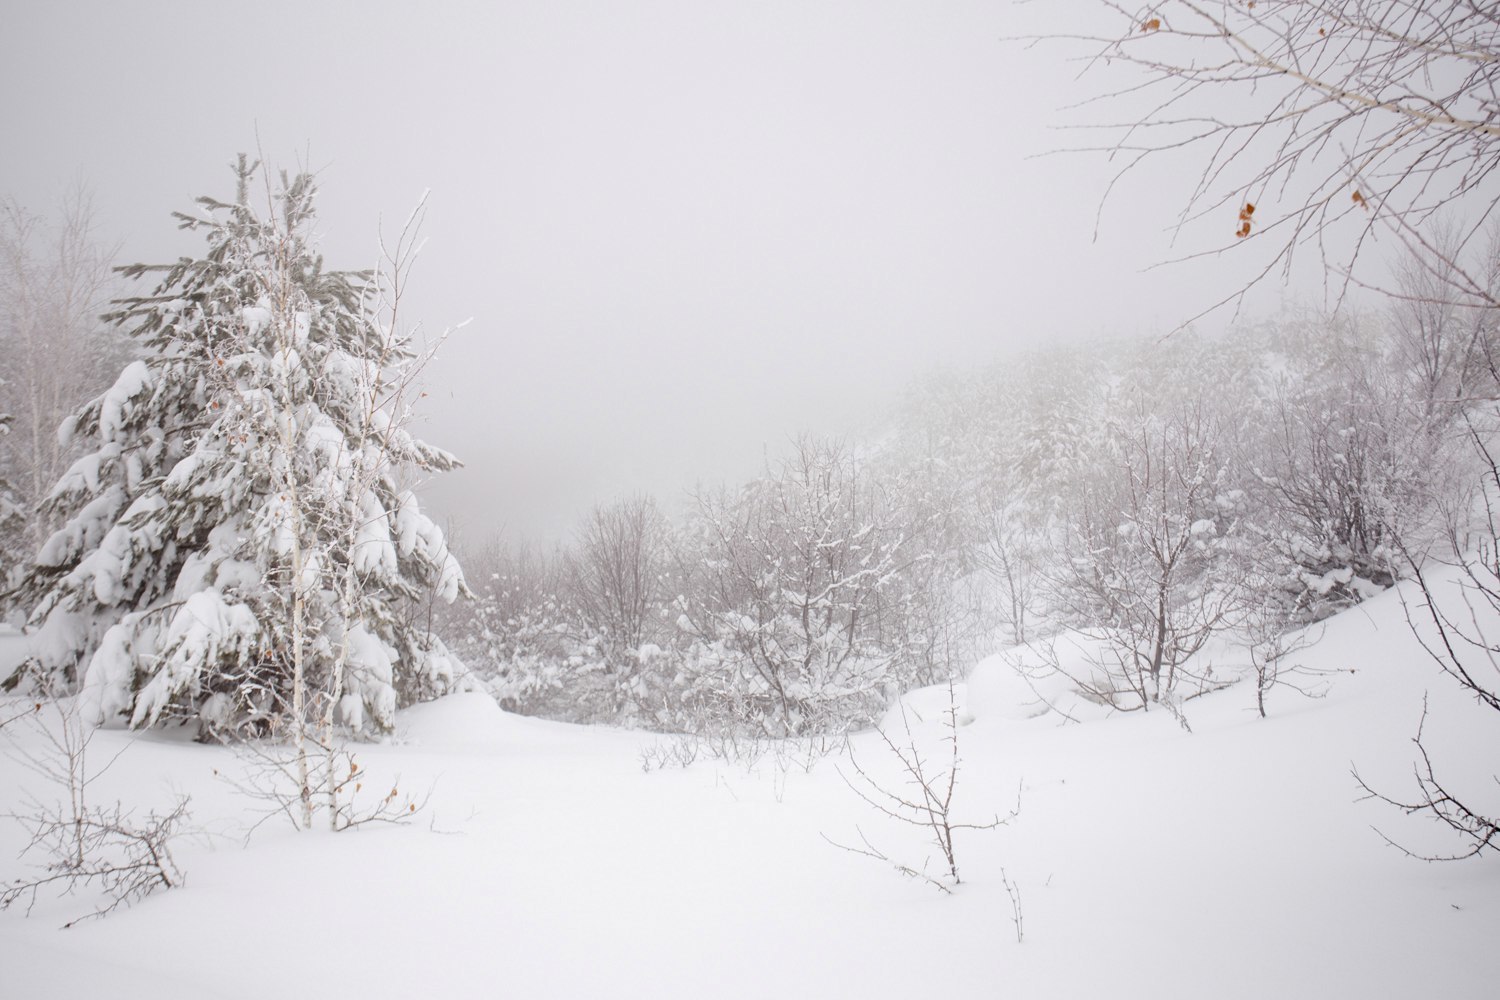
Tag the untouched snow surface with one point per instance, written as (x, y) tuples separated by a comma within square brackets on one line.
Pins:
[(1233, 861)]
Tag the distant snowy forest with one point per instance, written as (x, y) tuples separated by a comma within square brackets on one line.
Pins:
[(1151, 494)]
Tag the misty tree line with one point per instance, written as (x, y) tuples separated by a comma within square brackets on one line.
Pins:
[(55, 282), (796, 603), (1151, 496)]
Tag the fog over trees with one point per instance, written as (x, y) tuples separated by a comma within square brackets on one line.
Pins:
[(1152, 495), (216, 515), (1202, 483)]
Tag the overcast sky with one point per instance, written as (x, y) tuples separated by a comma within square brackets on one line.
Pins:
[(682, 230)]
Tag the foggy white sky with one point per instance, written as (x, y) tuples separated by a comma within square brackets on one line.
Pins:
[(683, 230)]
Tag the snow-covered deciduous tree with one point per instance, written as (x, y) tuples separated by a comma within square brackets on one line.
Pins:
[(1011, 543), (1444, 348), (793, 569), (54, 281), (240, 543), (930, 614), (616, 577), (1345, 455), (994, 450), (1148, 564)]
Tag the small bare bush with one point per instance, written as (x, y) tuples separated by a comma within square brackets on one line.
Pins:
[(82, 845), (336, 792), (924, 799)]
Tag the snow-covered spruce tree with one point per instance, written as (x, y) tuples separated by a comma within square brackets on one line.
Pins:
[(240, 546)]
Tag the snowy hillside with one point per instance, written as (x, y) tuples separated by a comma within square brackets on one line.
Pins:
[(1233, 861)]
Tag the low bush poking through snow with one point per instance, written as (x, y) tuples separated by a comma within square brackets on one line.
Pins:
[(341, 794), (921, 795), (82, 845)]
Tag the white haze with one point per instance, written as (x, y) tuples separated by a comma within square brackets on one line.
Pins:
[(683, 231)]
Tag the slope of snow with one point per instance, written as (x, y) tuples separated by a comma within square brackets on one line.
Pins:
[(1234, 861)]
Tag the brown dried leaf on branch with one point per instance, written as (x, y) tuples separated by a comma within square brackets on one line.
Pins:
[(1245, 213)]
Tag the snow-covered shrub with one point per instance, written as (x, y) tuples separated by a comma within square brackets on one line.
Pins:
[(794, 578), (1151, 539), (921, 795), (617, 576), (523, 640), (796, 605), (1346, 459), (240, 546)]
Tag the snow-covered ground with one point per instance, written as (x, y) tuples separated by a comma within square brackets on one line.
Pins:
[(1234, 861)]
